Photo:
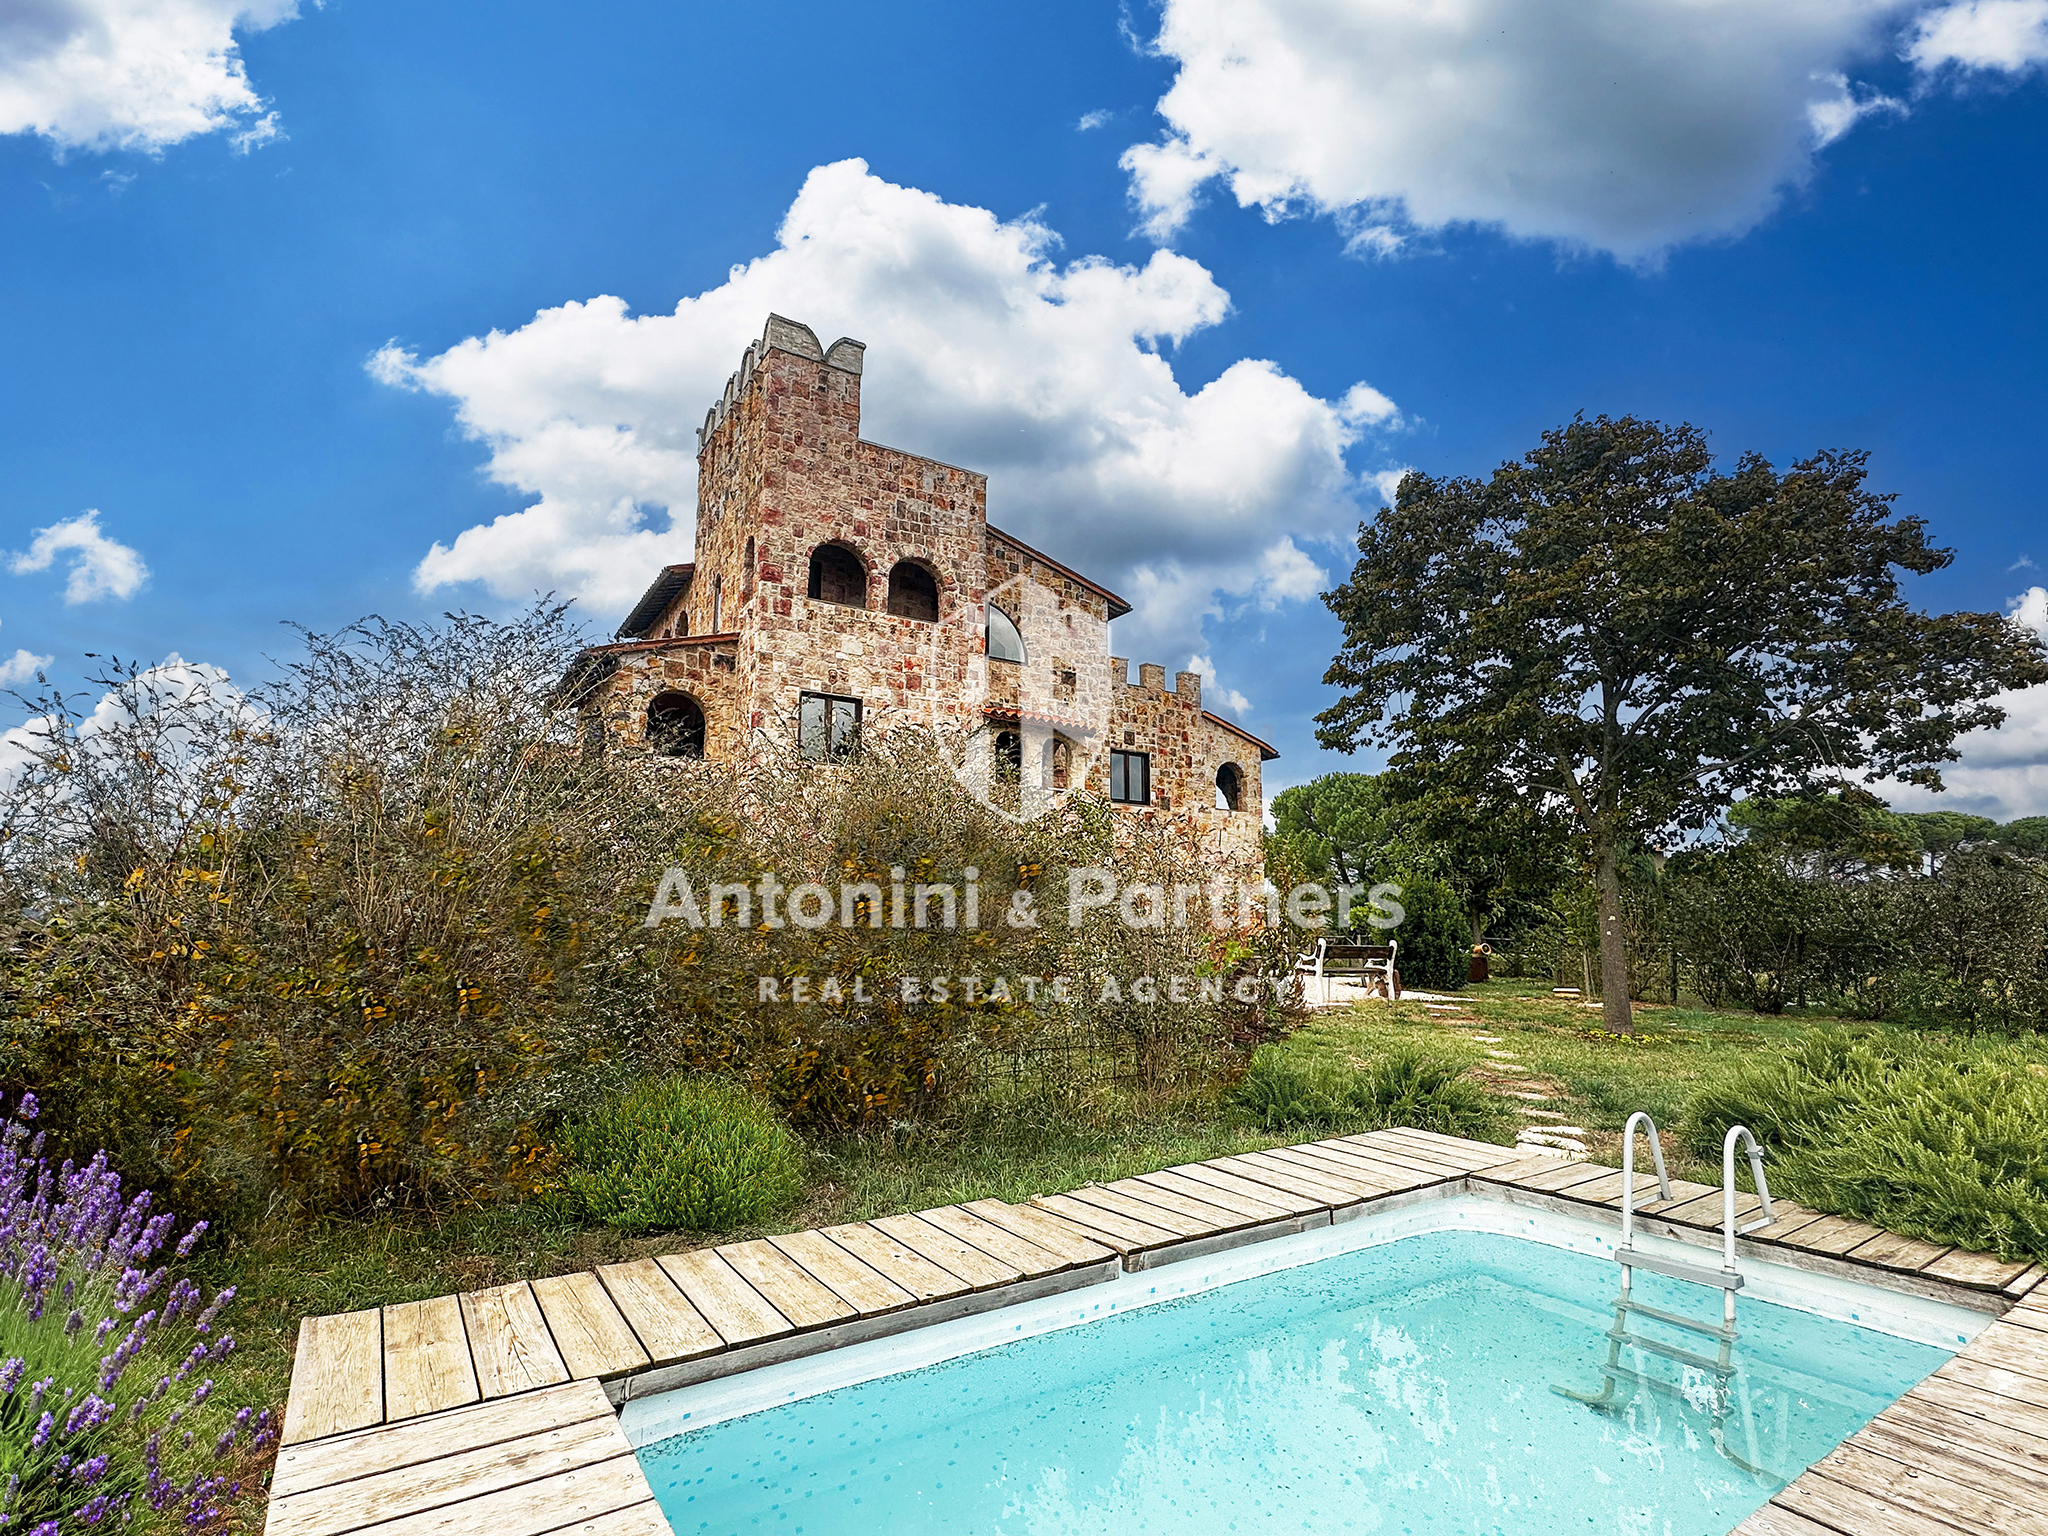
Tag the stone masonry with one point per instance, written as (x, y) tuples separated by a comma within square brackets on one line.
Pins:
[(716, 659)]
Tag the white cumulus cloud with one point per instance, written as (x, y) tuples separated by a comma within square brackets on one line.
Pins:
[(1214, 694), (1626, 126), (984, 349), (131, 74), (100, 566), (2003, 773), (2007, 36), (22, 667)]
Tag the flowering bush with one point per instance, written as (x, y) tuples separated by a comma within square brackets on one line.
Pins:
[(106, 1410)]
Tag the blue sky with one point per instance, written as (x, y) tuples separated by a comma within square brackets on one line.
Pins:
[(1189, 282)]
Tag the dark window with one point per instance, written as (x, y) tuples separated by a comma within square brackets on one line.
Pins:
[(1004, 643), (1229, 788), (837, 576), (675, 726), (1009, 762), (827, 727), (913, 592), (1130, 778), (747, 576), (718, 606)]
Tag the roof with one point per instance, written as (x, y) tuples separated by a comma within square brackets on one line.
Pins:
[(1266, 754), (1117, 606), (672, 580)]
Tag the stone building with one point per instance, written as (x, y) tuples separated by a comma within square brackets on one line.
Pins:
[(841, 588)]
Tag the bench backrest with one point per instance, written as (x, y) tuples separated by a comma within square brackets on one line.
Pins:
[(1357, 952)]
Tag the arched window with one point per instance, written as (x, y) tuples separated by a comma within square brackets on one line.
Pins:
[(1004, 643), (837, 576), (1009, 757), (1230, 788), (675, 725), (913, 592)]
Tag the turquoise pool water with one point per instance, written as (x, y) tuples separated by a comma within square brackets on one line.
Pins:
[(1405, 1388)]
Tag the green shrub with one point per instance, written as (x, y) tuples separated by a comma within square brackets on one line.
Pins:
[(1954, 1156), (1278, 1091), (1435, 936), (1408, 1088), (1424, 1092), (1934, 1138), (682, 1154)]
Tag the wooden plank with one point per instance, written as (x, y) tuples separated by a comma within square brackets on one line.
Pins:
[(324, 1463), (1788, 1219), (1394, 1144), (1891, 1250), (593, 1335), (1522, 1167), (1683, 1192), (1151, 1215), (1607, 1190), (739, 1313), (509, 1341), (999, 1243), (1925, 1492), (667, 1326), (1854, 1512), (534, 1509), (1970, 1439), (1395, 1170), (1955, 1396), (337, 1376), (2029, 1314), (426, 1358), (1994, 1380), (1556, 1179), (1473, 1155), (641, 1520), (1251, 1207), (1220, 1217), (1048, 1231), (978, 1269), (412, 1488), (783, 1284), (1210, 1176), (1107, 1227), (1977, 1269), (891, 1258), (1773, 1521), (1260, 1169), (859, 1285), (1833, 1234), (2015, 1348), (1373, 1182), (1709, 1211), (2025, 1281)]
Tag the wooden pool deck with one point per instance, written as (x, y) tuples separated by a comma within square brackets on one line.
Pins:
[(496, 1410)]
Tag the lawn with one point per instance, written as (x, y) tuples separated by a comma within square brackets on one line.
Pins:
[(1013, 1150)]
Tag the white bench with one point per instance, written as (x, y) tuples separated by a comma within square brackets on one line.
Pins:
[(1334, 959)]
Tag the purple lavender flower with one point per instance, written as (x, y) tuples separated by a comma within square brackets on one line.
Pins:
[(10, 1378), (41, 1437)]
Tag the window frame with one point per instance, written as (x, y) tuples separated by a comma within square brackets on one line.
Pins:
[(836, 748), (988, 640), (1120, 763)]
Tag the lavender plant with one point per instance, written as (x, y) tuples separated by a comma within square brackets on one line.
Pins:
[(107, 1411)]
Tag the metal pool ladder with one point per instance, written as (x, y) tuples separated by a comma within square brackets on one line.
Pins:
[(1619, 1379)]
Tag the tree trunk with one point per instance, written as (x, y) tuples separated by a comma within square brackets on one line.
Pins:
[(1615, 1012)]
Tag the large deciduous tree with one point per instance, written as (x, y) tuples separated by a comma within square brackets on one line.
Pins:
[(1613, 626)]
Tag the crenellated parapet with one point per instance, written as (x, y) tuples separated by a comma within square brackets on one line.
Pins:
[(781, 335)]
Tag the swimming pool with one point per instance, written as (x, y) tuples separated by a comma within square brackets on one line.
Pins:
[(1396, 1378)]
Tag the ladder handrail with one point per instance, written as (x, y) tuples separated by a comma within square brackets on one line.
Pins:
[(1628, 1171), (1729, 1230)]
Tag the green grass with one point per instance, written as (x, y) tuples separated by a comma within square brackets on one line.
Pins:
[(1011, 1150)]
